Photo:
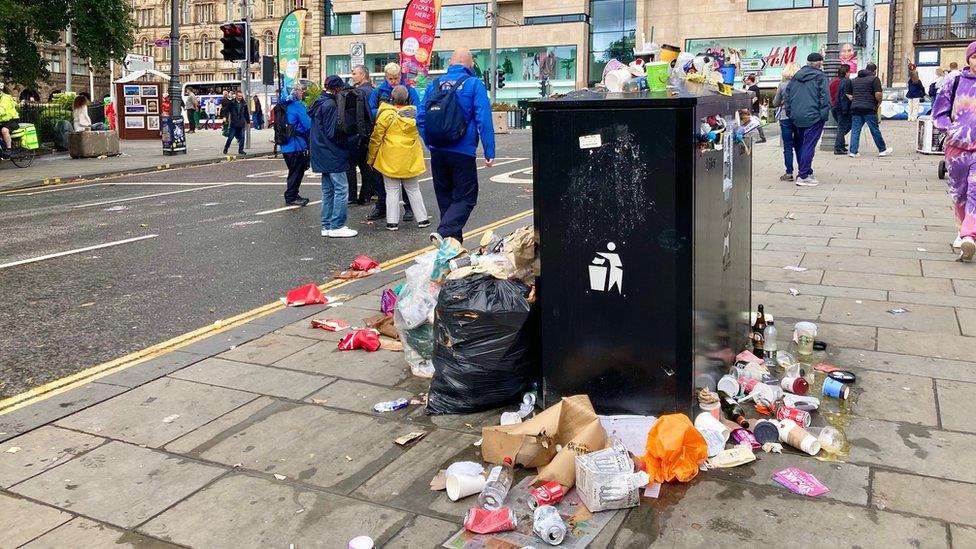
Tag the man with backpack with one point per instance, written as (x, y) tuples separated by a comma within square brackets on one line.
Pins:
[(392, 77), (330, 144), (456, 112), (291, 128), (363, 89)]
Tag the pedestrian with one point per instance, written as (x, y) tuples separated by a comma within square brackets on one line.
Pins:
[(916, 91), (80, 119), (787, 131), (9, 121), (750, 84), (453, 163), (808, 106), (841, 107), (330, 157), (953, 70), (236, 120), (295, 150), (748, 123), (192, 109), (225, 101), (392, 77), (937, 84), (865, 101), (257, 114), (960, 149), (395, 151), (369, 178), (109, 112), (211, 110)]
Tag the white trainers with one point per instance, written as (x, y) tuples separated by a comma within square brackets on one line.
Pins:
[(968, 249), (326, 232), (806, 182), (886, 152), (957, 243), (343, 232), (854, 155)]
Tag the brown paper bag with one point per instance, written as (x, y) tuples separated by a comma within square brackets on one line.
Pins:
[(384, 325)]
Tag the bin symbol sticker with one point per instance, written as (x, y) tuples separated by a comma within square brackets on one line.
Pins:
[(606, 271)]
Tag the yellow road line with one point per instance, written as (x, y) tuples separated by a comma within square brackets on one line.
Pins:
[(78, 379)]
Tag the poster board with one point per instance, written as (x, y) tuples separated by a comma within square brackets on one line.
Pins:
[(138, 109)]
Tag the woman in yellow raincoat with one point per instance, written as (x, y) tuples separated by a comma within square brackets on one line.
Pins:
[(395, 151)]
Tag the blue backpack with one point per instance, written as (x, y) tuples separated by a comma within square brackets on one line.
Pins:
[(445, 122)]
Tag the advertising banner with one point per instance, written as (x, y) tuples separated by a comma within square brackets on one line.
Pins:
[(417, 38), (290, 36)]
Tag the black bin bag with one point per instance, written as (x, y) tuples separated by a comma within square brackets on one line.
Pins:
[(484, 345)]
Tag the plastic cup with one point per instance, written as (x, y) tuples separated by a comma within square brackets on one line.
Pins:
[(765, 431), (462, 486), (803, 335), (707, 422), (669, 53), (657, 75), (728, 385), (728, 74), (361, 542), (615, 79), (795, 385), (831, 440)]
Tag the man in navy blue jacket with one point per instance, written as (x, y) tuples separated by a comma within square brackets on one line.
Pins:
[(455, 166), (295, 150), (330, 157)]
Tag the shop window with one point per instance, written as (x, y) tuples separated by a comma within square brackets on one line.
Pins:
[(553, 19), (467, 16), (613, 28)]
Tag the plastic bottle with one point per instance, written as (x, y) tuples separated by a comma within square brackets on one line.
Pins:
[(496, 488), (391, 405), (769, 343)]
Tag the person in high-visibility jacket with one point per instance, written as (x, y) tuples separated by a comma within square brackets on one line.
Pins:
[(9, 119)]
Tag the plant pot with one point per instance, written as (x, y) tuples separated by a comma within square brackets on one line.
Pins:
[(500, 121)]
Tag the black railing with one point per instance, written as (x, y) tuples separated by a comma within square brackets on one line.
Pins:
[(45, 116), (952, 32)]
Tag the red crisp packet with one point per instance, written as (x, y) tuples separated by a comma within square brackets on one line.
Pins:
[(360, 339), (308, 294), (363, 263), (330, 325), (825, 368)]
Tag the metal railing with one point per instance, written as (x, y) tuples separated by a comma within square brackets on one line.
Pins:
[(45, 117), (952, 32)]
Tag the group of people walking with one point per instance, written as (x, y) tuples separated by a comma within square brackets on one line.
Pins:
[(453, 119)]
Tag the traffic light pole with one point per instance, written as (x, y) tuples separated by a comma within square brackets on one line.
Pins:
[(175, 145), (246, 64)]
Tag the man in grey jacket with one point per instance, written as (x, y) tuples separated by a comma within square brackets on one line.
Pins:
[(808, 106)]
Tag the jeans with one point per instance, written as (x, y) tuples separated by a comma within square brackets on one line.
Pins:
[(191, 116), (843, 128), (297, 163), (335, 192), (791, 143), (257, 120), (235, 133), (811, 136), (416, 200), (858, 121), (210, 122), (456, 188)]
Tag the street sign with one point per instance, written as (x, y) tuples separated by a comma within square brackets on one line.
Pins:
[(357, 53), (161, 42), (135, 62), (752, 65)]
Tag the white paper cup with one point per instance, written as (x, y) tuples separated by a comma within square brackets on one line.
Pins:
[(729, 385), (361, 542), (462, 486), (615, 80), (707, 422)]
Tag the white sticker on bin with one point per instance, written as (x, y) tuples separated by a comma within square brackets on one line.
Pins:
[(590, 141)]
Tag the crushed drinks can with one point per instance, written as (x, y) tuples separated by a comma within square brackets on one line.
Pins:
[(481, 521), (549, 493), (801, 417), (548, 525)]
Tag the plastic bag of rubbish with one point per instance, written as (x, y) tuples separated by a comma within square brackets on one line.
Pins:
[(418, 346), (483, 345), (417, 299)]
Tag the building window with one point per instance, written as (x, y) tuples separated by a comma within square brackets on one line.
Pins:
[(269, 9), (168, 12), (269, 43), (303, 73), (144, 17), (551, 19), (205, 13), (185, 47), (613, 25), (295, 4), (468, 16), (147, 48), (339, 24), (54, 61), (206, 47), (763, 5), (206, 77), (185, 12)]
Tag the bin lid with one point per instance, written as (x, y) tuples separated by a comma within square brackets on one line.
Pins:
[(685, 95)]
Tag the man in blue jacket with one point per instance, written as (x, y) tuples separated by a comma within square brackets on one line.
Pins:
[(392, 77), (808, 106), (454, 167), (330, 157), (295, 150)]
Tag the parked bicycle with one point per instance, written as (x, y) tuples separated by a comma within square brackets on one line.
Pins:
[(24, 145)]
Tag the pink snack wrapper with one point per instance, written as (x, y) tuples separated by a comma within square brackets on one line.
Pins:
[(748, 356), (800, 482), (742, 435)]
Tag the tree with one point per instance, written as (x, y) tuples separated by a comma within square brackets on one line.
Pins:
[(102, 30), (622, 50)]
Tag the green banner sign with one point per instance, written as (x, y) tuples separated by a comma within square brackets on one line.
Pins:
[(290, 36)]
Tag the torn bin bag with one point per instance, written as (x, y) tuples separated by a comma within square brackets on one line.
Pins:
[(483, 345)]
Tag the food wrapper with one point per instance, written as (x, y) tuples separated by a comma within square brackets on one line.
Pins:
[(308, 294), (519, 248), (363, 263), (606, 480), (572, 424)]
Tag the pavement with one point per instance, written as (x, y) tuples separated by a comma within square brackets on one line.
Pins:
[(264, 434), (137, 156)]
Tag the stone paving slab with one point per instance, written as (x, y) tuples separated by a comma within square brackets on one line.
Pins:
[(119, 483), (55, 408), (900, 492), (957, 405), (157, 412), (81, 533), (195, 441), (40, 450), (896, 397), (265, 513), (155, 368), (253, 378), (942, 269), (821, 290), (922, 318), (847, 263), (422, 532), (359, 397), (936, 345), (913, 448), (325, 358), (778, 246), (916, 365), (354, 316), (963, 536), (967, 320), (267, 349), (22, 520), (228, 339), (887, 282)]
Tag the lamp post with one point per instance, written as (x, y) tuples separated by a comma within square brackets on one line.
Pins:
[(174, 140), (830, 66)]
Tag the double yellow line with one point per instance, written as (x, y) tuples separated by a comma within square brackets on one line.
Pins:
[(72, 381)]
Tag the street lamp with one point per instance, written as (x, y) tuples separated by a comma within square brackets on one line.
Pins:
[(174, 140), (830, 67)]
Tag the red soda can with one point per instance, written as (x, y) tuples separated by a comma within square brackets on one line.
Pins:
[(549, 493), (747, 383), (480, 521), (801, 417)]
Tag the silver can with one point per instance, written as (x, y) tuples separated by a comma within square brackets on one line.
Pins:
[(548, 525)]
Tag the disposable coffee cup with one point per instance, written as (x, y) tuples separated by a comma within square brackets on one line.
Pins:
[(795, 385), (765, 431), (361, 542), (615, 79), (798, 437), (803, 335), (462, 486), (706, 421), (728, 385), (835, 389)]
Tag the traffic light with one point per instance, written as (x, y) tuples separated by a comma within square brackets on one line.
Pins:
[(255, 51), (486, 78), (500, 78), (233, 41)]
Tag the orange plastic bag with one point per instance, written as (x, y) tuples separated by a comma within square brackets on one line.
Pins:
[(675, 449)]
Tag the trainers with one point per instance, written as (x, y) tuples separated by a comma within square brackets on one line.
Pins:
[(806, 182), (436, 238), (886, 152), (343, 232), (968, 248), (854, 155), (957, 243), (326, 232), (839, 153), (408, 215), (376, 214), (392, 227), (763, 140), (298, 202), (424, 224), (225, 151), (786, 177)]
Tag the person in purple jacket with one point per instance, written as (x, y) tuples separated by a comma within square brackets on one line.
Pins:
[(954, 112)]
